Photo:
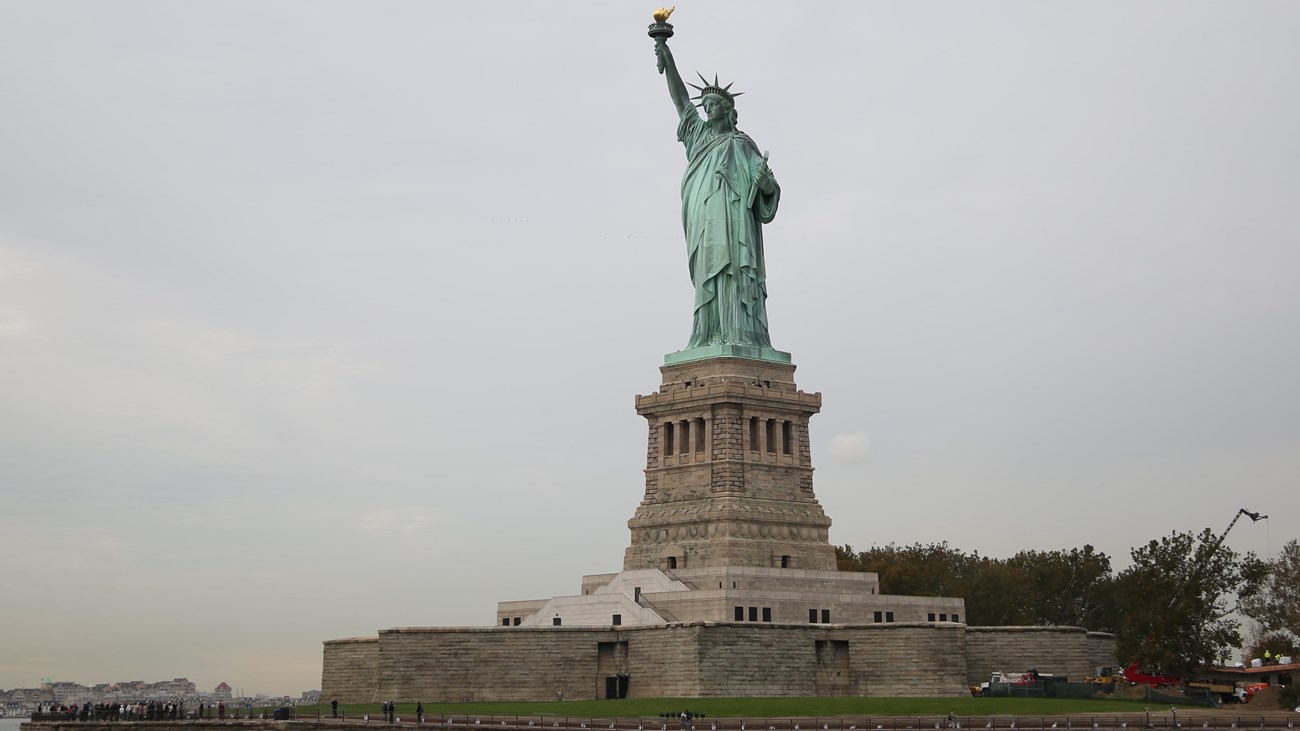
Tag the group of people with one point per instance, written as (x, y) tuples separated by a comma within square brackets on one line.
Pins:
[(1274, 659), (206, 711), (137, 711), (390, 711)]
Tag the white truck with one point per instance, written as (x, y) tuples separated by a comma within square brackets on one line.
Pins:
[(1027, 678), (1001, 677)]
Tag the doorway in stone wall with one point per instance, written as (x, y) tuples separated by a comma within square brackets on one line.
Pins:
[(611, 664), (832, 667), (616, 686)]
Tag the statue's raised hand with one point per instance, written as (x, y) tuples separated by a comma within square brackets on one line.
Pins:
[(664, 55)]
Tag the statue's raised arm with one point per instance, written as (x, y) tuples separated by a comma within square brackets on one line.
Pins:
[(728, 193), (676, 87), (661, 31)]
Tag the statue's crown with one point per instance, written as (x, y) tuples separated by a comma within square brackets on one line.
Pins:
[(715, 88)]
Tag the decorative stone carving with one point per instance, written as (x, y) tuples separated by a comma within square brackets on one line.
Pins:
[(751, 488)]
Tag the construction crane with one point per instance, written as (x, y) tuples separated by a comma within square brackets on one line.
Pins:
[(1254, 518)]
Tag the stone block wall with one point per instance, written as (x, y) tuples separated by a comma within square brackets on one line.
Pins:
[(913, 660), (1070, 651), (698, 659), (1102, 652), (678, 660), (878, 660), (664, 661), (728, 435), (351, 670), (498, 664), (739, 660)]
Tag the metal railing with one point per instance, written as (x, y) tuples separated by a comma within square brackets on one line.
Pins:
[(1163, 721), (1189, 721)]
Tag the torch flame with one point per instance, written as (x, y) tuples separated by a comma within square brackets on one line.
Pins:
[(661, 15)]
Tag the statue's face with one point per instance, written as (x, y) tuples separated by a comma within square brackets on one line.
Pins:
[(715, 107)]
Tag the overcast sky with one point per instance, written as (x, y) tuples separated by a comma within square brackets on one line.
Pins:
[(323, 317)]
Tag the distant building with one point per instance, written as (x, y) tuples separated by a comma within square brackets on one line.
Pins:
[(1279, 674), (125, 691), (222, 692)]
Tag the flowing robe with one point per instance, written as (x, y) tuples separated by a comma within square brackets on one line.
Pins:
[(722, 214)]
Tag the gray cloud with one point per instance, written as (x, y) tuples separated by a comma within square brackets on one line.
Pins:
[(850, 448)]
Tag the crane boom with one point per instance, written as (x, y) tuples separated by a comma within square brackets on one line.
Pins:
[(1254, 518)]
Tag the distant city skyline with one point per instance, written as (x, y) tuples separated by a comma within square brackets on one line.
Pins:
[(69, 691)]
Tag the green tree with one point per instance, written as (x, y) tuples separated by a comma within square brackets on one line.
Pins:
[(1069, 588), (916, 570), (1177, 599), (995, 593), (999, 594), (1277, 605)]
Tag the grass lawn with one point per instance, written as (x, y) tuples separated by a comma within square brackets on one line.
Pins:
[(758, 707)]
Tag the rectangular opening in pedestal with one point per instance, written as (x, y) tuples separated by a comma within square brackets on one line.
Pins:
[(771, 436), (786, 440), (753, 433), (668, 439), (699, 436), (833, 654)]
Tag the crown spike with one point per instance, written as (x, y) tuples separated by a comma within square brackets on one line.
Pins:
[(713, 87)]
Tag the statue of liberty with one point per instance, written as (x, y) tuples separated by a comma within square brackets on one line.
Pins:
[(728, 193)]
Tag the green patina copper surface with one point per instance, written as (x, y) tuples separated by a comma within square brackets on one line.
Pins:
[(726, 351), (728, 193)]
